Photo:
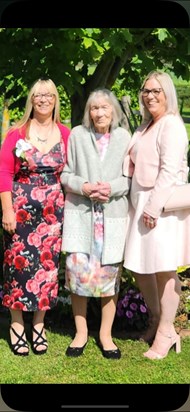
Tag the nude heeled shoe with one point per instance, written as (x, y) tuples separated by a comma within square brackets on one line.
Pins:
[(173, 343)]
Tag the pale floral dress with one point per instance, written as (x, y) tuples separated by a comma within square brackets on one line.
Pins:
[(85, 275)]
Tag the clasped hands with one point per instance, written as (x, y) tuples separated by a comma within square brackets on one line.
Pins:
[(99, 191)]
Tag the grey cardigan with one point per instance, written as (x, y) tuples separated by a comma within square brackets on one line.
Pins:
[(84, 165)]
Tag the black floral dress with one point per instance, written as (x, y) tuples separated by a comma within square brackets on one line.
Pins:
[(32, 254)]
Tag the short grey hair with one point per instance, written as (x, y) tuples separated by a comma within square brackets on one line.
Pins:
[(166, 83), (111, 99)]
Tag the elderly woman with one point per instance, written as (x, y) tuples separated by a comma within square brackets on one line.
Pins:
[(96, 212)]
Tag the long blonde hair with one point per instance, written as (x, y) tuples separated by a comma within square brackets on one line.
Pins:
[(169, 90)]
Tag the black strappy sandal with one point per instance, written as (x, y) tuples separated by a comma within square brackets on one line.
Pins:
[(20, 343), (40, 340)]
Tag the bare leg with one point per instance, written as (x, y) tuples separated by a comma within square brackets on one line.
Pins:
[(108, 305), (79, 307), (18, 324), (38, 323), (169, 288), (147, 284)]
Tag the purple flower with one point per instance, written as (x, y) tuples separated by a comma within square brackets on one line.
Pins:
[(132, 309), (138, 296), (133, 306), (131, 291), (143, 309), (129, 314), (120, 311), (125, 301)]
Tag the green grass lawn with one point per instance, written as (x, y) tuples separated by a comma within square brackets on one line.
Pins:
[(55, 367)]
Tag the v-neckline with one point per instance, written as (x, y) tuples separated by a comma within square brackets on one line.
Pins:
[(44, 154)]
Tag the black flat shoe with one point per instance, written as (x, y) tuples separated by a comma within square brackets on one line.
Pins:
[(20, 343), (75, 351), (110, 354), (40, 340)]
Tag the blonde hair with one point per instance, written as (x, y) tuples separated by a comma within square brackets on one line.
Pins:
[(111, 99), (28, 113), (166, 83)]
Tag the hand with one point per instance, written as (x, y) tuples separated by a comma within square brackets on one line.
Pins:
[(9, 221), (88, 188), (101, 192), (149, 221)]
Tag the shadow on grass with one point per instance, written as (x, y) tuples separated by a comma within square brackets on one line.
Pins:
[(63, 325)]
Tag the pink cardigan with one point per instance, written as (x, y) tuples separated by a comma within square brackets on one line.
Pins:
[(9, 163)]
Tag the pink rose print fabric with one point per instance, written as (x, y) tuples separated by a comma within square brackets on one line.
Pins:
[(32, 254)]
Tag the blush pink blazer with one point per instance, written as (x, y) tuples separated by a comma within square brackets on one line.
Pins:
[(161, 159)]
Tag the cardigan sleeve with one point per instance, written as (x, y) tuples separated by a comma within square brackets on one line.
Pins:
[(65, 132), (70, 180), (9, 164)]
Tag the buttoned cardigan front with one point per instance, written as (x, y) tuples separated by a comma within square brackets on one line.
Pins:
[(84, 165)]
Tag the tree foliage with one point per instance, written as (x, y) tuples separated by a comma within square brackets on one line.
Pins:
[(82, 59)]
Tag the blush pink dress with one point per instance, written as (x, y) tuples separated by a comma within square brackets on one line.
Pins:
[(163, 248)]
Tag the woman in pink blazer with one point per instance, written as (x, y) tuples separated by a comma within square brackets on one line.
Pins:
[(158, 242)]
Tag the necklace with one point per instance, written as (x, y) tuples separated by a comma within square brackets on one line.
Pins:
[(41, 140), (45, 140)]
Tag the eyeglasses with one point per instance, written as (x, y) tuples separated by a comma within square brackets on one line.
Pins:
[(155, 92), (48, 96)]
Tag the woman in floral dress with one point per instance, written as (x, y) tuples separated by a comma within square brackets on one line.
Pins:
[(32, 158), (95, 217)]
